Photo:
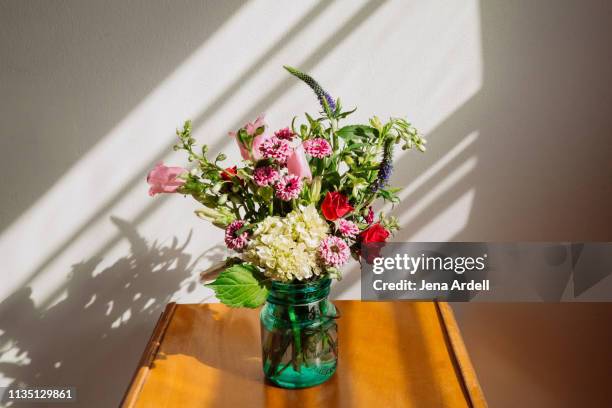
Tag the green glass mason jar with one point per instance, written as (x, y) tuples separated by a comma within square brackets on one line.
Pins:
[(299, 335)]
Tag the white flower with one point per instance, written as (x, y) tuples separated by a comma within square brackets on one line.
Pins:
[(286, 248)]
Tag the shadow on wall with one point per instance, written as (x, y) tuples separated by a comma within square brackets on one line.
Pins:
[(93, 338)]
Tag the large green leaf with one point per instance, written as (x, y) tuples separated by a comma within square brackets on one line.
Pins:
[(357, 132), (240, 286)]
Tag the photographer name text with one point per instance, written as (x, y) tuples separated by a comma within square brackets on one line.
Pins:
[(423, 285)]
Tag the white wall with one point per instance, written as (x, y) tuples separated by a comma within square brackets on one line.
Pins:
[(514, 99)]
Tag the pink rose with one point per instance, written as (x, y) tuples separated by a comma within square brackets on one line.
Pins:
[(164, 179), (298, 165)]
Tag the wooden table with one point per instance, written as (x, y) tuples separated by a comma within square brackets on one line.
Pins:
[(392, 354)]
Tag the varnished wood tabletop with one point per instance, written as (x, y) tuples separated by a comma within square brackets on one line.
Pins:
[(392, 354)]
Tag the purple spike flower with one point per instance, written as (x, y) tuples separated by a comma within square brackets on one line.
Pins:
[(385, 170), (314, 85)]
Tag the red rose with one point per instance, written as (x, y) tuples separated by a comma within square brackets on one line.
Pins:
[(374, 233), (228, 173), (372, 242), (335, 205)]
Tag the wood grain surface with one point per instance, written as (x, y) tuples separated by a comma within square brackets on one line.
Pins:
[(392, 354)]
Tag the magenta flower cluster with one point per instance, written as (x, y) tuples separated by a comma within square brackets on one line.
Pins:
[(276, 149), (232, 239), (348, 229), (318, 147), (285, 134), (265, 176), (334, 251), (288, 187)]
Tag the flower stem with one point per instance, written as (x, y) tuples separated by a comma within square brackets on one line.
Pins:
[(296, 359)]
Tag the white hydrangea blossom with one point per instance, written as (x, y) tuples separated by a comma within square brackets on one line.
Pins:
[(286, 248)]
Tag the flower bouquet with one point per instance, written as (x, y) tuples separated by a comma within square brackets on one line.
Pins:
[(296, 208)]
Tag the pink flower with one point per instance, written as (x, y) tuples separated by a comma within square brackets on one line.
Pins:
[(318, 147), (233, 241), (285, 133), (348, 229), (264, 176), (298, 165), (252, 127), (254, 154), (275, 149), (288, 187), (334, 251), (164, 179), (244, 152), (256, 150)]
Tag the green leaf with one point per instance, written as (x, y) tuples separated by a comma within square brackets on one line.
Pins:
[(345, 114), (356, 146), (267, 193), (240, 286), (331, 182), (357, 132), (388, 196)]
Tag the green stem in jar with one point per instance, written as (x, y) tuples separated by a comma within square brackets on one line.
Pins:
[(297, 340)]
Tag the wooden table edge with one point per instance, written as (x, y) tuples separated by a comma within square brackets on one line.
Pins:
[(449, 325), (462, 359), (150, 352)]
